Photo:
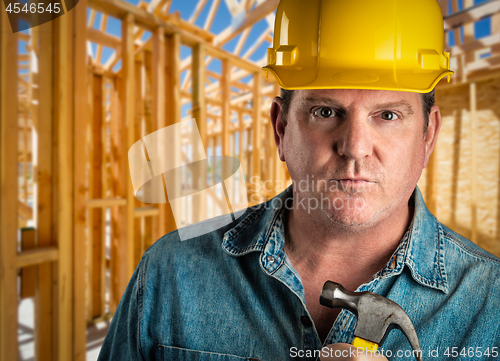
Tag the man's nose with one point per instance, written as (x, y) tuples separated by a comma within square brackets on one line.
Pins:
[(355, 138)]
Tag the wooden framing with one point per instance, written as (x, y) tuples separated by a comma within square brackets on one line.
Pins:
[(256, 179), (44, 341), (473, 186), (128, 117), (470, 66), (118, 214), (96, 215), (173, 99), (200, 115), (139, 93), (80, 199), (159, 78), (63, 110), (8, 205), (466, 53), (28, 273), (225, 100)]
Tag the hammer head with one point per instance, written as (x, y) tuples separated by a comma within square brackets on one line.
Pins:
[(376, 315)]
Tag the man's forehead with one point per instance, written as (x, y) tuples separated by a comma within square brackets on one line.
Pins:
[(346, 97)]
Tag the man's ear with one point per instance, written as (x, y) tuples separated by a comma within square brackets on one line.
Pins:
[(432, 132), (278, 126)]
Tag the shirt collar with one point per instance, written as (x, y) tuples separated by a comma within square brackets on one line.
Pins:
[(425, 250), (421, 248), (253, 232)]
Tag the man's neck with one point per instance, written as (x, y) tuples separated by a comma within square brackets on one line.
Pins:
[(321, 250), (316, 245)]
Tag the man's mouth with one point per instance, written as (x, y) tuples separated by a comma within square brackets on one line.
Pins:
[(351, 180), (352, 183)]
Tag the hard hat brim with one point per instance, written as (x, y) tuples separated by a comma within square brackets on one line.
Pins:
[(376, 79)]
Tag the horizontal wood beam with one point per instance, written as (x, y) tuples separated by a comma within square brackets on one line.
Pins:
[(211, 101), (176, 21), (23, 36), (475, 45), (145, 19), (37, 256), (106, 202), (99, 37), (213, 74), (241, 86), (483, 64), (249, 95), (119, 8), (237, 75), (235, 60), (212, 116), (145, 212)]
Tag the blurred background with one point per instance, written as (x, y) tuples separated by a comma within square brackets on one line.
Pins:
[(79, 90)]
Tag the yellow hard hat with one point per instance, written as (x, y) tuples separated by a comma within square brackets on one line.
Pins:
[(359, 44)]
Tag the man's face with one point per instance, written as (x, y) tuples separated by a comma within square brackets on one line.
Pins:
[(355, 155)]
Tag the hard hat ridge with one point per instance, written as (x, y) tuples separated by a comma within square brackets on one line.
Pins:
[(359, 44)]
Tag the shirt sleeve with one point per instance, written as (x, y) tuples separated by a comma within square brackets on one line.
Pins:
[(122, 341)]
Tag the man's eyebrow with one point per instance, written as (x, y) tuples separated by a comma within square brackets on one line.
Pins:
[(322, 100), (401, 104)]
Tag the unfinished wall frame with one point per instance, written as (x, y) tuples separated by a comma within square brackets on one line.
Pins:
[(76, 192)]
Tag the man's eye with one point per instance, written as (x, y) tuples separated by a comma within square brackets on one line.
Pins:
[(324, 112), (387, 115)]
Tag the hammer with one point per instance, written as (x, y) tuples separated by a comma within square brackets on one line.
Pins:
[(376, 316)]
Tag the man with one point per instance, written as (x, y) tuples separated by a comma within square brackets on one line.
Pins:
[(355, 134)]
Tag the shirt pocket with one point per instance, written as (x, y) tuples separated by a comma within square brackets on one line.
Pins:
[(172, 353)]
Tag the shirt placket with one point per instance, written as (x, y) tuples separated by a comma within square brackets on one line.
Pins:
[(276, 264)]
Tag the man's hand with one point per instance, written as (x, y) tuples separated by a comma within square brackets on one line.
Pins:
[(346, 352)]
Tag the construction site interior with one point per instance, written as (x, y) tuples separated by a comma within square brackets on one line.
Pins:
[(76, 94)]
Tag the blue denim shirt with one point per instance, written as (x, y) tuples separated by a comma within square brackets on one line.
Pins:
[(233, 295)]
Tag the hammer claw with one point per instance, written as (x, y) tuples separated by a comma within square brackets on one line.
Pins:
[(376, 315)]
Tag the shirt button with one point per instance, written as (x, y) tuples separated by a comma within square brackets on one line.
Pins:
[(306, 321), (270, 258)]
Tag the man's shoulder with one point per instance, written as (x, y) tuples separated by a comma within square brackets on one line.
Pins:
[(191, 238), (202, 238), (467, 249), (470, 269)]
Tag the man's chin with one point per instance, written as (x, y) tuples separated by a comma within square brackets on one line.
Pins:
[(353, 220), (349, 223)]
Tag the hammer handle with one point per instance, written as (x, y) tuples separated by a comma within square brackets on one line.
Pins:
[(364, 344)]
